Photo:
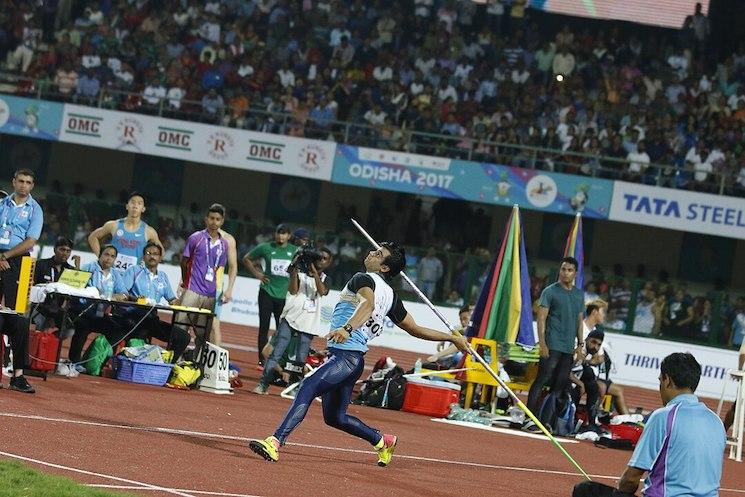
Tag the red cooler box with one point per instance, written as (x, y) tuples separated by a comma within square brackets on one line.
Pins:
[(430, 398)]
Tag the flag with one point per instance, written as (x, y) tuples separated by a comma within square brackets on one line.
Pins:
[(575, 247), (503, 311)]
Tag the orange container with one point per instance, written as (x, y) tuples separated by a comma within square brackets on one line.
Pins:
[(430, 398)]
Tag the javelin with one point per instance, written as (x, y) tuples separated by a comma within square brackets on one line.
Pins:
[(479, 359)]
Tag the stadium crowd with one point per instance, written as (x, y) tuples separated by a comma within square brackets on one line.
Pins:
[(606, 103)]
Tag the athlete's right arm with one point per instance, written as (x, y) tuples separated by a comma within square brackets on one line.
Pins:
[(94, 239)]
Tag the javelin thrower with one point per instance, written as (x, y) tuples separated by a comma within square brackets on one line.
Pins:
[(359, 316)]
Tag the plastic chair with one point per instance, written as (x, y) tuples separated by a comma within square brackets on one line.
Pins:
[(477, 374), (735, 441)]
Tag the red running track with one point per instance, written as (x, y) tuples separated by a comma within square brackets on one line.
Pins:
[(157, 441)]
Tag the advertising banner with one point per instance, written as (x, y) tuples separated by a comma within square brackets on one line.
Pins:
[(32, 118), (678, 210), (472, 181), (636, 362), (198, 142), (670, 13)]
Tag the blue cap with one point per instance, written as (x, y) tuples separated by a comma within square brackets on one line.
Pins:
[(301, 234)]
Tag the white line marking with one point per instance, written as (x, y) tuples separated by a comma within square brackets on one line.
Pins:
[(133, 487), (505, 431), (156, 429), (100, 475)]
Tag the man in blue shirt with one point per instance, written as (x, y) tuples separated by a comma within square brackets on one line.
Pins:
[(145, 281), (681, 446), (21, 220)]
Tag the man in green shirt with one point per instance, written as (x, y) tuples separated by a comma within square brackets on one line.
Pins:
[(275, 279), (559, 327)]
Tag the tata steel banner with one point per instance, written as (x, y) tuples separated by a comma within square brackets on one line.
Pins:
[(678, 209), (31, 118), (473, 181), (197, 142)]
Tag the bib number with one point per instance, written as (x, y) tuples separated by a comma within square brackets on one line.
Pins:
[(279, 267), (124, 262)]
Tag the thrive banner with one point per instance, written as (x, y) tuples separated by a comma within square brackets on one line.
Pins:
[(197, 142), (473, 181)]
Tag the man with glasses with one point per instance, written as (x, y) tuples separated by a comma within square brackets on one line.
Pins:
[(144, 283)]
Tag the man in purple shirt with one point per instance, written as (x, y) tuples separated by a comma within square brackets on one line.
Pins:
[(202, 266)]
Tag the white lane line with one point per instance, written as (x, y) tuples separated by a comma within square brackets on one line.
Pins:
[(147, 486), (157, 429), (133, 487), (505, 431)]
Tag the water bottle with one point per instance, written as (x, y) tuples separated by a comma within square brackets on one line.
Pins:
[(108, 287), (418, 366)]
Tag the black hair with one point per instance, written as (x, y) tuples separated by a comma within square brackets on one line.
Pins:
[(152, 244), (396, 261), (327, 251), (24, 172), (683, 369), (570, 260), (63, 242), (465, 308), (137, 194), (108, 246), (217, 208)]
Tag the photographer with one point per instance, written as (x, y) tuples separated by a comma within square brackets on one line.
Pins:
[(302, 312)]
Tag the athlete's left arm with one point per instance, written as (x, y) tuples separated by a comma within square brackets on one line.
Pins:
[(232, 268), (412, 328), (629, 482), (152, 236)]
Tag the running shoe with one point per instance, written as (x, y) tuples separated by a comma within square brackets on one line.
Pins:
[(261, 389), (19, 384), (385, 452), (267, 448)]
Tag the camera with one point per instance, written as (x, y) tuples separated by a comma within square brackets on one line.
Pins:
[(304, 257)]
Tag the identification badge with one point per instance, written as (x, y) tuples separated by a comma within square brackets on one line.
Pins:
[(309, 305), (210, 275), (5, 236)]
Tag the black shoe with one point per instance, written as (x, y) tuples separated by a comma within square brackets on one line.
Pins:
[(20, 384)]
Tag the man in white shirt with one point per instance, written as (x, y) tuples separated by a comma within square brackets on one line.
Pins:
[(375, 116), (301, 315), (638, 161), (153, 93)]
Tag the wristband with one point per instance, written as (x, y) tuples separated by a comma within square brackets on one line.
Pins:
[(348, 328)]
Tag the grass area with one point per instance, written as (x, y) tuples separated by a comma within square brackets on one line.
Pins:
[(19, 480)]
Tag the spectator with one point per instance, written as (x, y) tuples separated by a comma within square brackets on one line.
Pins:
[(679, 315), (563, 63), (212, 106), (644, 319), (66, 80), (429, 273), (638, 162), (88, 85), (454, 299)]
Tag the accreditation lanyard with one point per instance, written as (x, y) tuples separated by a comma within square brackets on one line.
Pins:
[(10, 210), (212, 267)]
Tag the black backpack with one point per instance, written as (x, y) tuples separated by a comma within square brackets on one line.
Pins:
[(388, 393)]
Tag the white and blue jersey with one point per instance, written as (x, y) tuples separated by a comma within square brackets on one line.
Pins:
[(387, 303), (129, 245), (101, 280), (18, 222), (139, 281), (681, 448)]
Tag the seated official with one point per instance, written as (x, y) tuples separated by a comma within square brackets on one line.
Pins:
[(48, 314), (146, 281), (584, 374), (96, 317), (16, 328)]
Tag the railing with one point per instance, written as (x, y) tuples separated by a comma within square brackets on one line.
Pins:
[(389, 137)]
